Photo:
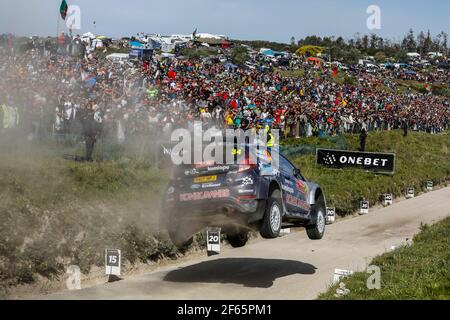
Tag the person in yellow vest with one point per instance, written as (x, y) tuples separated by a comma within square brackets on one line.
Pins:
[(10, 117), (270, 137)]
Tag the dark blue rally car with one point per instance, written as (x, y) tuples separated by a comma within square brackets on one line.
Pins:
[(253, 194)]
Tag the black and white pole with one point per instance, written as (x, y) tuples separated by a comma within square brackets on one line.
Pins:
[(213, 241), (112, 264), (388, 199), (364, 207), (429, 185), (331, 215), (410, 193)]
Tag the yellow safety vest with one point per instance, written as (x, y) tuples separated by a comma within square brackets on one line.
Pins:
[(271, 141), (7, 115)]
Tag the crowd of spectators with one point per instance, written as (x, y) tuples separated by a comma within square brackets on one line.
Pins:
[(52, 89)]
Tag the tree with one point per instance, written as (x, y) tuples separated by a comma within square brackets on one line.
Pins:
[(365, 42), (421, 42), (428, 43), (444, 42), (408, 43), (292, 41), (351, 56), (309, 51), (239, 55), (373, 41), (380, 56)]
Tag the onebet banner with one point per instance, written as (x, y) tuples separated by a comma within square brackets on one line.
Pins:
[(376, 162)]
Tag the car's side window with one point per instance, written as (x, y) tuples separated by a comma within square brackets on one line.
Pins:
[(286, 166)]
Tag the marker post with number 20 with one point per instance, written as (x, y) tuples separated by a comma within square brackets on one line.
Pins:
[(213, 241)]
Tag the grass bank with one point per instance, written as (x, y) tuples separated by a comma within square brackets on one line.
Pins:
[(55, 213), (420, 157), (419, 272)]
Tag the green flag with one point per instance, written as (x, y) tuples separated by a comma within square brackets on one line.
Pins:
[(63, 9)]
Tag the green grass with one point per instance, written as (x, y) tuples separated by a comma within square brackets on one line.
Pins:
[(54, 213), (440, 89), (296, 74), (420, 157), (417, 272)]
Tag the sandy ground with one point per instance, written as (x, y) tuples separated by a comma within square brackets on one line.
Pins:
[(290, 267)]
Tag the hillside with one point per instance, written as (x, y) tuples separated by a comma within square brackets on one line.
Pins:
[(56, 212)]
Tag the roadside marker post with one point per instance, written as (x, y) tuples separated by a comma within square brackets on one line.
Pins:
[(429, 185), (331, 215), (112, 262), (364, 208), (213, 241), (388, 199), (339, 274), (410, 193)]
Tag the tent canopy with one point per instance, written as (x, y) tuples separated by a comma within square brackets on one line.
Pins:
[(136, 44)]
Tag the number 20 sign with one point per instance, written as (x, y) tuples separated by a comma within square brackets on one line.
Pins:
[(112, 262)]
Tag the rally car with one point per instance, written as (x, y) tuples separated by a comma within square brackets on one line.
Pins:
[(241, 197)]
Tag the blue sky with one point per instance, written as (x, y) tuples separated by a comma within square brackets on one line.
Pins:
[(275, 20)]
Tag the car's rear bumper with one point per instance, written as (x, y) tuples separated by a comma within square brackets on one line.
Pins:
[(217, 212)]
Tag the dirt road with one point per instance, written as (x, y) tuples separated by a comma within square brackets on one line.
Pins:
[(290, 267)]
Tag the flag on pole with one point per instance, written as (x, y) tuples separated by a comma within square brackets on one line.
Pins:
[(429, 88), (63, 9)]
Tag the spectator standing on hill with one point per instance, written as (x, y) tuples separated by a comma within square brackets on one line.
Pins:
[(405, 127), (362, 140), (90, 129)]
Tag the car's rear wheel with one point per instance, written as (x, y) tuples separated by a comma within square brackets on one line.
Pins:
[(237, 240), (316, 230), (180, 236), (180, 240), (271, 224)]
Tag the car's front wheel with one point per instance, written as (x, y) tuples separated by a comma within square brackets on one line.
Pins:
[(316, 230), (273, 215)]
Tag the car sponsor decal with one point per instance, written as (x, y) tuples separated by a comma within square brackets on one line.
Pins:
[(205, 179), (290, 199), (211, 185), (195, 186), (170, 190), (204, 195), (276, 172), (287, 189), (219, 168), (246, 191), (246, 181), (191, 172), (301, 186), (204, 164)]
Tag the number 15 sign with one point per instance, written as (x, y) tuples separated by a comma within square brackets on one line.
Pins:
[(112, 261)]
